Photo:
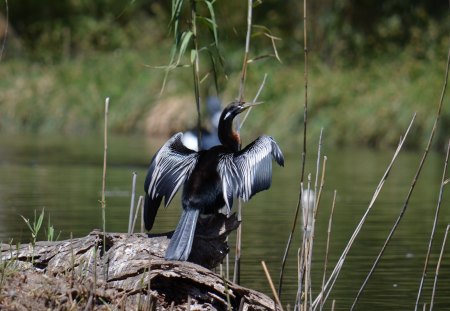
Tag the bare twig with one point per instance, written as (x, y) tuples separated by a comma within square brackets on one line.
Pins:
[(133, 193), (302, 174), (330, 220), (196, 71), (272, 287), (438, 267), (138, 206), (255, 99), (105, 151), (332, 279), (237, 258), (247, 51), (436, 216)]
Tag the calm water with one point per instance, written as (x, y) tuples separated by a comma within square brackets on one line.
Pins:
[(63, 175)]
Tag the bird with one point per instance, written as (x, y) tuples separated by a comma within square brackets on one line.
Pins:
[(209, 136), (210, 179)]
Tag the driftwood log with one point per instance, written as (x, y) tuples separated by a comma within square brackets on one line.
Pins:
[(122, 271)]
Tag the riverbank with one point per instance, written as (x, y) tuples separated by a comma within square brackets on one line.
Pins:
[(368, 104)]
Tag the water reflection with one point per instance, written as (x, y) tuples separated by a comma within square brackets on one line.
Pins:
[(63, 175)]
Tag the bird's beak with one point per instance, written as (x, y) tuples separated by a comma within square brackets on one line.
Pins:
[(246, 105)]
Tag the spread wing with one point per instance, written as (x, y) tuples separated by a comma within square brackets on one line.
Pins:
[(249, 171), (168, 170)]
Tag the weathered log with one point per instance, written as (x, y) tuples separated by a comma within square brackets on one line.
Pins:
[(127, 271)]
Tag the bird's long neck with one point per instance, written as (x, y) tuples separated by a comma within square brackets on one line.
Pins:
[(228, 136)]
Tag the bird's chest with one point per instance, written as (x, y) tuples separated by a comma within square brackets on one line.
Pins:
[(203, 188)]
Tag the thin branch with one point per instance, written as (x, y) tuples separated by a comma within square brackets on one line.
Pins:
[(138, 206), (436, 216), (255, 99), (105, 151), (237, 258), (196, 71), (438, 267), (302, 174), (247, 51), (272, 287), (133, 193), (330, 220)]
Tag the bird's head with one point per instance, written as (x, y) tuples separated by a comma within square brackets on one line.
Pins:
[(227, 135), (235, 108)]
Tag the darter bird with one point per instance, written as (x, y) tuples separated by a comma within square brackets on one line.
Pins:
[(210, 178)]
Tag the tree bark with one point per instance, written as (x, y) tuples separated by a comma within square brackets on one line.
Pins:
[(125, 271)]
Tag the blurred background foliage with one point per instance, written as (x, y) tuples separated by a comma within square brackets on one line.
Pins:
[(372, 65)]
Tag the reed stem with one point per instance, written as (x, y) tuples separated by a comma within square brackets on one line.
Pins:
[(272, 287), (105, 152), (433, 230), (330, 220), (133, 192), (438, 267), (303, 160), (332, 279), (196, 71), (237, 259)]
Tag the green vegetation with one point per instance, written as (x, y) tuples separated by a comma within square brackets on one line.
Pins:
[(367, 76), (369, 104)]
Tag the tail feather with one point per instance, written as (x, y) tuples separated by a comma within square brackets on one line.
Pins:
[(150, 209), (181, 242)]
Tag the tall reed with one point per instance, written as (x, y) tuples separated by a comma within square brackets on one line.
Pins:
[(105, 152), (303, 157)]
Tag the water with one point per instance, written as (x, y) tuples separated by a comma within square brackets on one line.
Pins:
[(63, 176)]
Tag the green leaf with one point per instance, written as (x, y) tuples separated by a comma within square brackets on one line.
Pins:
[(38, 225), (185, 39), (193, 55), (27, 221)]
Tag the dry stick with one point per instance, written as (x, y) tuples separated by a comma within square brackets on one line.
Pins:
[(428, 146), (105, 151), (133, 193), (413, 184), (330, 220), (141, 198), (142, 216), (255, 99), (307, 235), (300, 260), (196, 70), (316, 208), (305, 121), (272, 287), (433, 230), (438, 267), (331, 280), (319, 148), (237, 258)]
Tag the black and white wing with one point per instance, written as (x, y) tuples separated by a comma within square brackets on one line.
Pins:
[(250, 170), (169, 168)]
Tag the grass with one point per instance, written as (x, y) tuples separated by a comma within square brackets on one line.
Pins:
[(368, 104)]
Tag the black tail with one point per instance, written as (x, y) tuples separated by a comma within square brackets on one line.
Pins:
[(150, 209), (181, 242)]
